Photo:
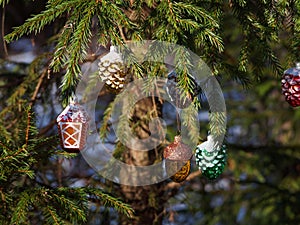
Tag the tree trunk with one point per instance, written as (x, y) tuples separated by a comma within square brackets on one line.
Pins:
[(147, 200)]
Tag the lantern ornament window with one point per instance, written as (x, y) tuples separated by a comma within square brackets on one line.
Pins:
[(73, 127), (290, 84)]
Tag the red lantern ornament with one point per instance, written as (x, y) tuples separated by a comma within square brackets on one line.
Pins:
[(73, 127), (290, 84), (177, 157)]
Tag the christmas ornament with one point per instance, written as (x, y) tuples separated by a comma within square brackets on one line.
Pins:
[(112, 71), (177, 158), (211, 158), (290, 84), (73, 127)]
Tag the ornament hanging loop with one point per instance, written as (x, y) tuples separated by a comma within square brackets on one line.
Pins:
[(73, 99)]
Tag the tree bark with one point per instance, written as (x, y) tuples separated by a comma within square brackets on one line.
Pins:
[(146, 201)]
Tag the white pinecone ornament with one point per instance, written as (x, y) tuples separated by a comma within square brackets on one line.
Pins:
[(112, 70), (211, 158)]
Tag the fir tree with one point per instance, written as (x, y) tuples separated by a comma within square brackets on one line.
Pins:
[(199, 25)]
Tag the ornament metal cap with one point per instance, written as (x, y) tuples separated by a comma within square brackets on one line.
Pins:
[(210, 145), (295, 71), (290, 84), (112, 56)]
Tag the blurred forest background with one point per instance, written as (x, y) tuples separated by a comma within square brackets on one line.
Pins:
[(255, 42)]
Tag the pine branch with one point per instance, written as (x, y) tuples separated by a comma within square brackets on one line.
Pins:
[(30, 84), (51, 216), (77, 49), (73, 211), (60, 54), (36, 23), (110, 17), (108, 200), (244, 55), (274, 61), (28, 126), (217, 124), (20, 214), (4, 146), (105, 123), (184, 68), (186, 23), (191, 125)]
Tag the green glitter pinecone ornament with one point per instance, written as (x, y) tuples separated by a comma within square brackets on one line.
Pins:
[(211, 163)]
